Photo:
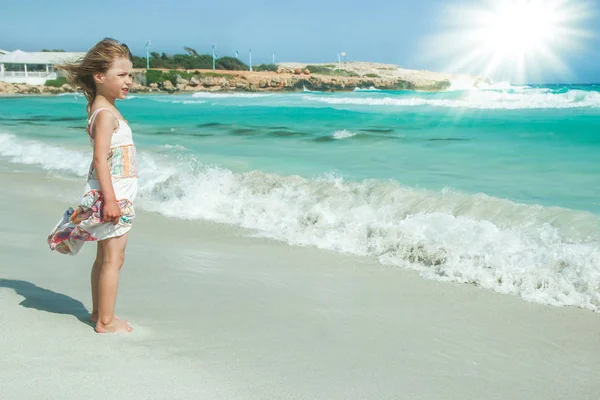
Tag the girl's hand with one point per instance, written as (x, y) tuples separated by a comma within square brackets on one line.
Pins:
[(111, 212)]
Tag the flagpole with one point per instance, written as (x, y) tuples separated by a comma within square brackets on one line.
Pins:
[(147, 55), (213, 55)]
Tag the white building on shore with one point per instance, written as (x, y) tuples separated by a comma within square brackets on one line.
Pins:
[(32, 68)]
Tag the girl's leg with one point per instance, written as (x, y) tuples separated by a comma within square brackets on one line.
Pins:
[(113, 255), (95, 278)]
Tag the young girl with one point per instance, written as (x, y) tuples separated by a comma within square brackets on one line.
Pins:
[(106, 210)]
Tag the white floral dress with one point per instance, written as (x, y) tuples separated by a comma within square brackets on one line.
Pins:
[(85, 224)]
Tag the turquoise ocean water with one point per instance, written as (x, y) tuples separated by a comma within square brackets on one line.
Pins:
[(496, 187)]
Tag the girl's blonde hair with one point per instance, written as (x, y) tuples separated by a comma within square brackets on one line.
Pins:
[(98, 59)]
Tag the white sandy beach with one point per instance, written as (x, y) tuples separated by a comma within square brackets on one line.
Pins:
[(221, 315)]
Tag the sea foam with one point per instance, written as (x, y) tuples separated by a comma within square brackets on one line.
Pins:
[(548, 255)]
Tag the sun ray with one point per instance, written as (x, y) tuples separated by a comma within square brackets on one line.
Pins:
[(511, 39)]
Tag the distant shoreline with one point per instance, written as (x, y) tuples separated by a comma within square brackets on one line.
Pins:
[(290, 77)]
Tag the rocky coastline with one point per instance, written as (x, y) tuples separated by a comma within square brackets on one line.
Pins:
[(289, 77)]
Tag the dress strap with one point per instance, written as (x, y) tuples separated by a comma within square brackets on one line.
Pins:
[(93, 118)]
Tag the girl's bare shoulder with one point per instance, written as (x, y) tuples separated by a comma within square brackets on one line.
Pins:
[(99, 106)]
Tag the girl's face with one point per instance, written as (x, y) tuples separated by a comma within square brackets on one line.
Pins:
[(115, 82)]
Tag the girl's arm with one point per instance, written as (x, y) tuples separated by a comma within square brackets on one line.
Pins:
[(103, 129)]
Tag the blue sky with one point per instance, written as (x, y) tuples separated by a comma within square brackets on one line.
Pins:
[(392, 31)]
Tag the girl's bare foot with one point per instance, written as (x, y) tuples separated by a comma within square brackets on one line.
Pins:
[(94, 318), (115, 326)]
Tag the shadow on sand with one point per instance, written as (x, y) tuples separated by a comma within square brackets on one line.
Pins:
[(47, 300)]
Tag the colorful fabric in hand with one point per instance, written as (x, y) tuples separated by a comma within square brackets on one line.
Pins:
[(84, 224)]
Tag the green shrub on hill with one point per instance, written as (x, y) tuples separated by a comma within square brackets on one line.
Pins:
[(58, 82), (192, 60), (231, 64), (154, 76), (326, 70), (266, 67)]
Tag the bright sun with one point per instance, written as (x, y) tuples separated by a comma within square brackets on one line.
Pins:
[(512, 39), (518, 28)]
